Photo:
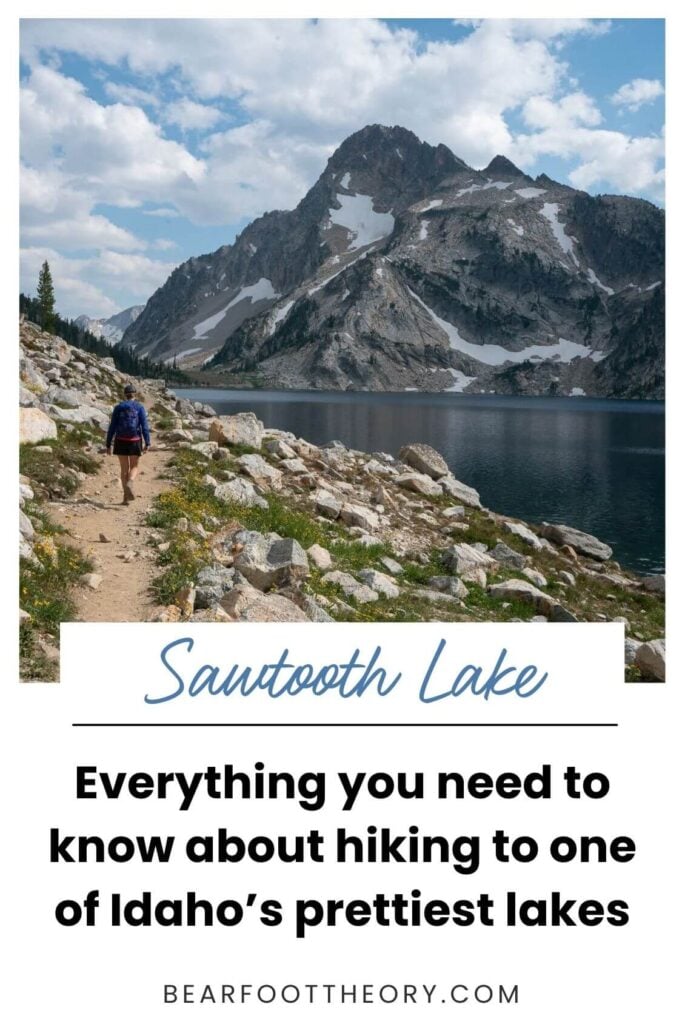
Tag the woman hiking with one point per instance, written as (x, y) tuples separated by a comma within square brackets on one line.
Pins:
[(129, 431)]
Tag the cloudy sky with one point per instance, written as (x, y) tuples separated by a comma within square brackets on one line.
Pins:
[(146, 142)]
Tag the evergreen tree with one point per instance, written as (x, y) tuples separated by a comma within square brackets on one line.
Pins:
[(46, 298)]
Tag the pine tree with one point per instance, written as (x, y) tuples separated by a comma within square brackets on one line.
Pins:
[(46, 298)]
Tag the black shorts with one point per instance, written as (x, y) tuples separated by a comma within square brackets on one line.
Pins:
[(127, 447)]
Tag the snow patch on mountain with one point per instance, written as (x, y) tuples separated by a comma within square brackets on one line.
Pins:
[(562, 351), (257, 292), (181, 355), (434, 204), (550, 211), (530, 193), (460, 380), (280, 314), (358, 216), (323, 284), (515, 227), (111, 329), (345, 180), (481, 188), (423, 230), (592, 277)]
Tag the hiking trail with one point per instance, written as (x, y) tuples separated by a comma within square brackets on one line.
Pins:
[(96, 509)]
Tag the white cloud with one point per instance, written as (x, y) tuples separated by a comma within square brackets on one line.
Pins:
[(189, 115), (569, 128), (105, 150), (90, 232), (74, 294), (543, 112), (162, 211), (630, 165), (636, 93), (141, 274), (86, 285), (130, 94)]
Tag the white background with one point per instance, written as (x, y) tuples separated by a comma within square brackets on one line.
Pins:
[(104, 973)]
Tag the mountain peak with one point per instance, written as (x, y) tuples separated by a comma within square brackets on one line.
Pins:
[(501, 165), (394, 142)]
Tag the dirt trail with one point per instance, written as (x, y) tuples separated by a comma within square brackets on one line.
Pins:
[(96, 508)]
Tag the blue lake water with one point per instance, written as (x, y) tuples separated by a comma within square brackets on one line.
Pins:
[(595, 464)]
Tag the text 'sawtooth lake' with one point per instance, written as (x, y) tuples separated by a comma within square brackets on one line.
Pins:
[(594, 464)]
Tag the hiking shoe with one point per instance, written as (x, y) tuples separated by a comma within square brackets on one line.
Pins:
[(128, 493)]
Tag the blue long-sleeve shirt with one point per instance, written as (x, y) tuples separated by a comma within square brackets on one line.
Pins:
[(119, 416)]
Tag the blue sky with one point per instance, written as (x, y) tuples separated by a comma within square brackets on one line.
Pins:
[(145, 143)]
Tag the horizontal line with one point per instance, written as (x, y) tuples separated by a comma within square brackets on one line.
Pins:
[(345, 725)]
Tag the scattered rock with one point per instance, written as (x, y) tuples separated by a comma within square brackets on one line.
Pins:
[(650, 660), (179, 435), (261, 472), (654, 584), (240, 492), (247, 604), (505, 555), (312, 608), (350, 586), (566, 577), (523, 590), (560, 614), (327, 504), (214, 613), (213, 582), (524, 532), (420, 483), (92, 580), (465, 561), (449, 585), (395, 568), (207, 448), (535, 577), (454, 512), (584, 543), (461, 492), (25, 526), (83, 414), (631, 648), (359, 515), (242, 428), (380, 582), (279, 447), (294, 465), (319, 556), (103, 539), (35, 425), (265, 562), (168, 613), (437, 597), (424, 459)]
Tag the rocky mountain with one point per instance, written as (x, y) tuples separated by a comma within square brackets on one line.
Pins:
[(113, 328), (405, 269)]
